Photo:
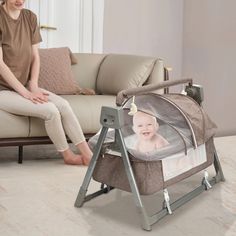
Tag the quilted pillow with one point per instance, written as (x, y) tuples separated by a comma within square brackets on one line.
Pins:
[(55, 71)]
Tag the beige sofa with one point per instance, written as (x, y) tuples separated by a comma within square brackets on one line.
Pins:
[(107, 75)]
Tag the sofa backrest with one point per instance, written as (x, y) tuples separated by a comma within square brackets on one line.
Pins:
[(108, 74), (86, 69)]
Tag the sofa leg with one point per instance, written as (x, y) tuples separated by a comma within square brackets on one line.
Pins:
[(20, 155)]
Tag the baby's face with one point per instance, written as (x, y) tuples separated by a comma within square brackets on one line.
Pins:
[(144, 125)]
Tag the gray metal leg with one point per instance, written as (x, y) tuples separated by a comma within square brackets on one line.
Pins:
[(219, 172), (83, 189), (129, 171)]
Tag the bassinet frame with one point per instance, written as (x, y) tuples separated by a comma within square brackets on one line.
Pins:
[(112, 118)]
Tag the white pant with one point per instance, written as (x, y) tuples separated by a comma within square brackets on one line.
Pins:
[(58, 116)]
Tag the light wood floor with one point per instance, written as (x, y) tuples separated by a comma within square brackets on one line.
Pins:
[(37, 199)]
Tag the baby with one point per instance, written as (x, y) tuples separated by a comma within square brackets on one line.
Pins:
[(145, 127)]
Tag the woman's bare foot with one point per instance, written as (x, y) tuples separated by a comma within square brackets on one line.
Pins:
[(86, 152), (86, 160), (72, 159)]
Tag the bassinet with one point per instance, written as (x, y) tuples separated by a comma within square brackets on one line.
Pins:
[(120, 162)]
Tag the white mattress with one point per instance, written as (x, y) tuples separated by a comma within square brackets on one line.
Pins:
[(179, 163)]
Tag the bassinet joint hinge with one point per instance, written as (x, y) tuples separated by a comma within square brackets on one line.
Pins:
[(205, 180), (167, 201)]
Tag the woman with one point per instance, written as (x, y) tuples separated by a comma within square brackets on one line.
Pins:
[(19, 91)]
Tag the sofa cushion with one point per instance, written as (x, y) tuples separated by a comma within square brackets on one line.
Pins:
[(86, 70), (119, 72), (13, 126), (55, 71), (157, 75)]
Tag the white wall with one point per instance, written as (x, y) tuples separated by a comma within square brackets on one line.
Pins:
[(145, 27), (210, 55), (195, 37)]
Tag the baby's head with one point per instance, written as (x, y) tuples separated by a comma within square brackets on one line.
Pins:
[(144, 125)]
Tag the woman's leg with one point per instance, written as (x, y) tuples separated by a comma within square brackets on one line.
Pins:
[(71, 126), (14, 103), (85, 151)]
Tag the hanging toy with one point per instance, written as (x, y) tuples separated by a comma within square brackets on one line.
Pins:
[(133, 107)]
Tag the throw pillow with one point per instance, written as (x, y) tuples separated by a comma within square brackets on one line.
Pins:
[(55, 71)]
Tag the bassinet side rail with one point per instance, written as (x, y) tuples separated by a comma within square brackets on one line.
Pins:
[(124, 94)]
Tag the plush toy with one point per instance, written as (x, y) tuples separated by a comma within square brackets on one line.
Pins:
[(133, 107)]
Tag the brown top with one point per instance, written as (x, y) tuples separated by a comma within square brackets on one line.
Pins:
[(16, 39)]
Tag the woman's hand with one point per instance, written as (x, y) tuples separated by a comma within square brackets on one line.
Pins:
[(36, 95)]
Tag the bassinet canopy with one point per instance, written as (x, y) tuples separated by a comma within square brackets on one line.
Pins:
[(182, 123)]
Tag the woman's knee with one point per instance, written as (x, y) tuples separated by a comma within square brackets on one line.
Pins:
[(51, 112), (64, 106)]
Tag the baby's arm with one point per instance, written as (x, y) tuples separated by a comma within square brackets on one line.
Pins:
[(161, 141)]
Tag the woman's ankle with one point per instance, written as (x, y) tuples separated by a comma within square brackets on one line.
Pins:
[(85, 152), (72, 159), (67, 153), (86, 159)]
